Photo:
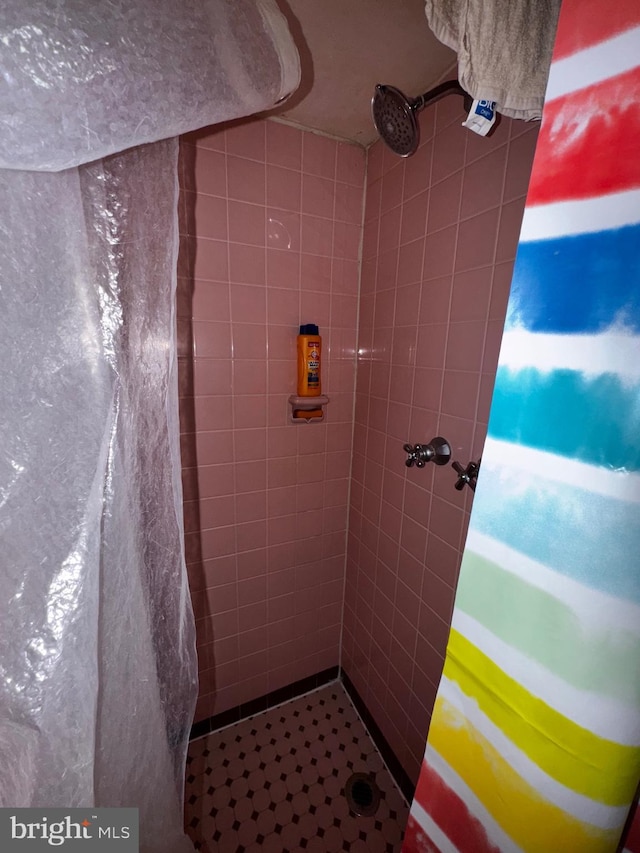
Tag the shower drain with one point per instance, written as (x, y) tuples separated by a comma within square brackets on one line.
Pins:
[(362, 794)]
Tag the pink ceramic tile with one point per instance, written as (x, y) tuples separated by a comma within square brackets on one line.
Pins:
[(520, 159), (250, 476), (315, 308), (347, 238), (316, 235), (477, 240), (492, 345), (447, 111), (318, 196), (211, 262), (292, 462), (500, 288), (487, 381), (414, 217), (465, 345), (211, 340), (283, 229), (483, 183), (319, 154), (471, 292), (444, 202), (247, 223), (210, 217), (281, 502), (225, 598), (211, 377), (375, 161), (350, 164), (216, 512), (413, 538), (210, 301), (448, 152), (246, 180), (435, 300), (417, 174), (250, 410), (460, 394), (251, 591), (246, 138), (371, 219), (389, 229), (247, 264), (213, 448), (392, 183), (480, 146), (442, 559), (220, 570), (249, 376), (431, 349), (459, 433), (284, 145), (315, 272), (218, 542), (283, 268), (509, 232), (417, 501), (439, 253), (349, 203), (251, 563), (446, 521), (249, 341), (248, 304), (345, 278), (410, 262), (252, 616), (210, 172), (250, 444), (284, 188), (387, 270)]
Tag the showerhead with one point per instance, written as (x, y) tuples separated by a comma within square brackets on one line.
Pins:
[(395, 115)]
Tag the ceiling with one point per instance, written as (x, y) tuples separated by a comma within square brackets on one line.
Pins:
[(346, 47)]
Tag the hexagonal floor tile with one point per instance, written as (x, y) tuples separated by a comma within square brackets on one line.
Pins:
[(275, 782)]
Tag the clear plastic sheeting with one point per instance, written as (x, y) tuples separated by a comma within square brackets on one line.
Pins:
[(98, 674), (83, 80)]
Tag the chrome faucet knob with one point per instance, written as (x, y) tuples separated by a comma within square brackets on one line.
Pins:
[(437, 451), (411, 459), (466, 476)]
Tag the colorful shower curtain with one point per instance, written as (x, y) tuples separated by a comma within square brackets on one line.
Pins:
[(534, 743)]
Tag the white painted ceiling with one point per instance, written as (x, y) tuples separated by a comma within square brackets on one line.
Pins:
[(346, 47)]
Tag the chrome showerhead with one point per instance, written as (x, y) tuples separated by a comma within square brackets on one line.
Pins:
[(395, 115)]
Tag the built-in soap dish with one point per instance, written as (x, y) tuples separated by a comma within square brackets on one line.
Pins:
[(307, 410)]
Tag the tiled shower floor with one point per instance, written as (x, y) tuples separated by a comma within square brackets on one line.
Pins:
[(274, 783)]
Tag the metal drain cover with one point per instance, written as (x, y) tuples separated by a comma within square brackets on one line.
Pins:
[(362, 794)]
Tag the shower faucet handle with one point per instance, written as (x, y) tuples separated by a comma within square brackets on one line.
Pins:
[(466, 476), (437, 451), (415, 456)]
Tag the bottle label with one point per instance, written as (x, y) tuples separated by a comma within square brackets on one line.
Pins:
[(313, 366)]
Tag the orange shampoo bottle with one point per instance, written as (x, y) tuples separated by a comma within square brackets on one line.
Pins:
[(309, 357)]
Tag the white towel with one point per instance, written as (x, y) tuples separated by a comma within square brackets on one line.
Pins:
[(504, 48)]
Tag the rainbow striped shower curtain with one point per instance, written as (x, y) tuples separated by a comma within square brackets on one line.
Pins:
[(534, 743)]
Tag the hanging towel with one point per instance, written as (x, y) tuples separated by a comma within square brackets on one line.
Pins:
[(504, 49)]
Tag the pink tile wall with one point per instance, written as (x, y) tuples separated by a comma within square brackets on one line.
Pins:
[(440, 235), (271, 223)]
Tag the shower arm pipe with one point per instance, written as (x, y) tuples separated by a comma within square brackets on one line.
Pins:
[(449, 87)]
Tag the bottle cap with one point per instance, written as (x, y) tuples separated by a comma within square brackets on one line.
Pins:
[(309, 329)]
